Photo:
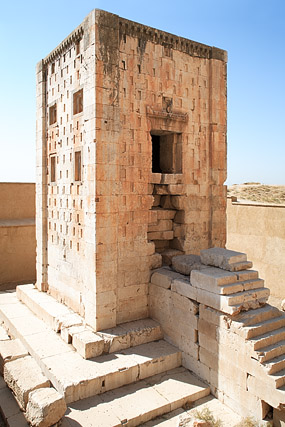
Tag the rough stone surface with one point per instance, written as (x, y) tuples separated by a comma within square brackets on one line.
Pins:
[(184, 264), (220, 257), (23, 376), (88, 344), (45, 408), (11, 350)]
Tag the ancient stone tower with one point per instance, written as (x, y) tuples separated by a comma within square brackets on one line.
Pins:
[(131, 161)]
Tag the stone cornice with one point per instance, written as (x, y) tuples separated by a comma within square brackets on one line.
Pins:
[(172, 41), (74, 37)]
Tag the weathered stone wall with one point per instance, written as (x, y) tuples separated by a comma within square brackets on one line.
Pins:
[(259, 231), (66, 203), (228, 351), (95, 253), (17, 234)]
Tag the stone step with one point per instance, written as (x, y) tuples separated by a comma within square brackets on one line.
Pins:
[(271, 351), (131, 334), (256, 316), (60, 318), (248, 296), (22, 376), (220, 257), (238, 266), (275, 365), (263, 327), (76, 378), (278, 378), (46, 308), (222, 302), (138, 403), (267, 339), (243, 275)]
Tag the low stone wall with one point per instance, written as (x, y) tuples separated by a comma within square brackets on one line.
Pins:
[(17, 234), (259, 230)]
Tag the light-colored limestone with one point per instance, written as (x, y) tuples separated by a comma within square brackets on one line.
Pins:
[(220, 257), (164, 277), (11, 350), (137, 403), (3, 334), (183, 287), (23, 376), (184, 264), (88, 344), (45, 408), (212, 277)]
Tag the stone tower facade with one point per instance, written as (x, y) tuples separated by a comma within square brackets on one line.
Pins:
[(131, 162)]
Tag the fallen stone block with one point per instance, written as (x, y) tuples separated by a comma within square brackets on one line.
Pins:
[(45, 408), (169, 254), (23, 376), (155, 261), (11, 350), (88, 344), (184, 264), (164, 277), (220, 257)]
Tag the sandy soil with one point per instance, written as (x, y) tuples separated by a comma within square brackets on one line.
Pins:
[(256, 192)]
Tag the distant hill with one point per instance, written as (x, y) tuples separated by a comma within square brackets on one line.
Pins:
[(256, 192)]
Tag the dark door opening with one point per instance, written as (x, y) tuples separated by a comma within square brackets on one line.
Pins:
[(166, 152)]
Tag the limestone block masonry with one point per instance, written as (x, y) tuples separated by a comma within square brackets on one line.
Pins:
[(228, 334), (131, 162)]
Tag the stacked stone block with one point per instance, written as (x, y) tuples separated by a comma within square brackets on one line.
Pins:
[(235, 341), (103, 94)]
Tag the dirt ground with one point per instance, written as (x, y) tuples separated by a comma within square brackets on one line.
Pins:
[(256, 192)]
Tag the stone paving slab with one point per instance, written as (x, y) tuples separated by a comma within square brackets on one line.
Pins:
[(186, 417), (137, 403)]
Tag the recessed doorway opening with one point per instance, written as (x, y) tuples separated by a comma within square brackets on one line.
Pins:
[(166, 152)]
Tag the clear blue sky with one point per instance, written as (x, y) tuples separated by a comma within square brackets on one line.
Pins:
[(252, 31)]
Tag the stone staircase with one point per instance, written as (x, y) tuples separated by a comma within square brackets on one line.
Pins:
[(129, 372), (264, 332)]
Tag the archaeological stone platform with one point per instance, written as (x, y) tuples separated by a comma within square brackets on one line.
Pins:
[(225, 340)]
